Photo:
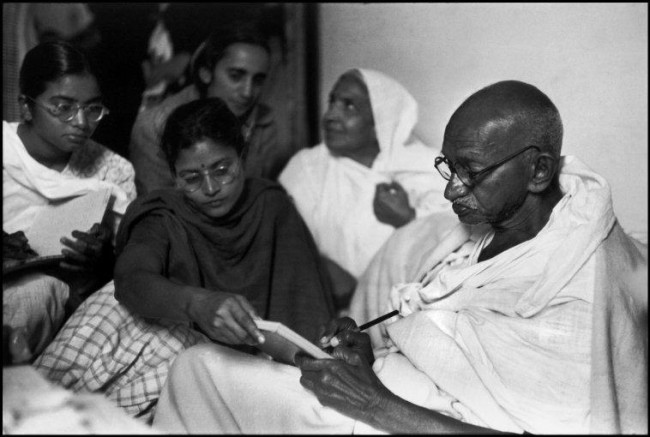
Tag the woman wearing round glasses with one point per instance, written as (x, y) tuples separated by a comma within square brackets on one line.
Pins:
[(49, 157), (196, 263)]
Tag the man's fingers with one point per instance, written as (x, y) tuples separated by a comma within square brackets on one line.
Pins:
[(309, 364), (347, 355), (334, 327), (329, 331), (350, 338)]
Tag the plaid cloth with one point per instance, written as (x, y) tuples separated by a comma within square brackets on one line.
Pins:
[(104, 348)]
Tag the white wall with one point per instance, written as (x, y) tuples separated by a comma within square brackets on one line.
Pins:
[(590, 59)]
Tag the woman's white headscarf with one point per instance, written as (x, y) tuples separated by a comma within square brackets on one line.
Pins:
[(395, 112), (334, 194)]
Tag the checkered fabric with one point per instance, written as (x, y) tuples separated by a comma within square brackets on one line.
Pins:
[(104, 348)]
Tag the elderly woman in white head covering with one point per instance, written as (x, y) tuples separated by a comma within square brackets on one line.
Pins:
[(369, 177)]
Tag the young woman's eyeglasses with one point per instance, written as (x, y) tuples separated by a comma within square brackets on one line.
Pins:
[(467, 177), (68, 111), (223, 174)]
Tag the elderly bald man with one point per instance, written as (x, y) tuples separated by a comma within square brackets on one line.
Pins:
[(505, 320)]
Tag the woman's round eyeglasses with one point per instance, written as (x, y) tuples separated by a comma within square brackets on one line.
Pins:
[(68, 111), (223, 174)]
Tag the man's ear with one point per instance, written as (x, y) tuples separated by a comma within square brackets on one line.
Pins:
[(25, 110), (544, 169), (205, 75)]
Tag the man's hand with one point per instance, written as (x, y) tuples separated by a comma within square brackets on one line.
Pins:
[(227, 318), (346, 383), (391, 205), (344, 333), (335, 326), (87, 251)]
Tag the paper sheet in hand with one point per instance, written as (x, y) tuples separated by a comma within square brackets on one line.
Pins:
[(282, 343), (58, 220)]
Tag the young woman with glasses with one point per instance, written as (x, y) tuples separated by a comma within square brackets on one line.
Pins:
[(196, 263), (49, 157)]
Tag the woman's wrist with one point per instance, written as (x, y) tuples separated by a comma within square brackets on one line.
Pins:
[(196, 302)]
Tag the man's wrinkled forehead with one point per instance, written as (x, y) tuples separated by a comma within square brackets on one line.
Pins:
[(480, 132), (467, 132)]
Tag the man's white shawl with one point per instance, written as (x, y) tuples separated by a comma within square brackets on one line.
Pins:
[(549, 336), (334, 195)]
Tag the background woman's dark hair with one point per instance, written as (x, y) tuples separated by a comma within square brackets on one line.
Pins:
[(211, 52), (48, 62), (197, 121)]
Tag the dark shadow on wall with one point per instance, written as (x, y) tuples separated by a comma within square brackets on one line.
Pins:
[(312, 62)]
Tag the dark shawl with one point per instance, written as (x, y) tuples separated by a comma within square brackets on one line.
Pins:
[(261, 249)]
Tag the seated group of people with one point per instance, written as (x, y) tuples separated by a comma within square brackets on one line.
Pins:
[(521, 302)]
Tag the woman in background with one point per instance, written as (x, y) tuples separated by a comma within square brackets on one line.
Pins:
[(232, 65), (196, 263), (49, 157), (369, 177)]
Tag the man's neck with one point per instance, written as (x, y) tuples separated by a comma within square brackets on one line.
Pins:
[(524, 225)]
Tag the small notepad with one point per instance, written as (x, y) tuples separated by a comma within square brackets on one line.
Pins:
[(59, 219), (282, 343)]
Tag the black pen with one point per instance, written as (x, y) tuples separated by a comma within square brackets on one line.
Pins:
[(378, 320), (335, 341)]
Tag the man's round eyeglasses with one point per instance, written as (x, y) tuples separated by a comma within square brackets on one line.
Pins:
[(68, 111), (224, 174), (467, 177)]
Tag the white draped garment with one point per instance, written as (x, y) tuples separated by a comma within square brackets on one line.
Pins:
[(334, 194), (28, 186), (549, 336)]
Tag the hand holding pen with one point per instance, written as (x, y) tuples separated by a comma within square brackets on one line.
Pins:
[(345, 332)]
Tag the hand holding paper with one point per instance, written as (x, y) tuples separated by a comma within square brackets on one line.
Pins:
[(282, 344), (60, 219), (86, 251), (225, 317)]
